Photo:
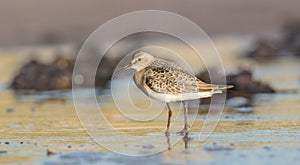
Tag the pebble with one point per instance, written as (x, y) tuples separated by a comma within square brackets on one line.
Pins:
[(267, 148), (6, 143), (8, 110), (49, 152), (148, 146)]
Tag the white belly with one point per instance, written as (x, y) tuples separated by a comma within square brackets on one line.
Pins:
[(179, 97)]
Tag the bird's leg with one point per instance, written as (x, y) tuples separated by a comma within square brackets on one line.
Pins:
[(169, 119), (186, 127)]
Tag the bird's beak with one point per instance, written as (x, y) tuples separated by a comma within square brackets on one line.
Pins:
[(121, 70)]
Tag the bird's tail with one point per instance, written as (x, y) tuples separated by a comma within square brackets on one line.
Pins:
[(206, 86)]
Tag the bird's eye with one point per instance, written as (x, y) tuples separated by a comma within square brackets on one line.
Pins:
[(139, 59)]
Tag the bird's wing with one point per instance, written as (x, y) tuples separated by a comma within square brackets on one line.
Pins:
[(171, 80)]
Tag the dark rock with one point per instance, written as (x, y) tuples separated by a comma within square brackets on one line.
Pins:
[(105, 71), (57, 75), (10, 110), (42, 77), (264, 50), (243, 82), (245, 86), (6, 142), (291, 39), (289, 44)]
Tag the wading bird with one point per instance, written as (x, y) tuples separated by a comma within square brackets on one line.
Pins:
[(168, 82)]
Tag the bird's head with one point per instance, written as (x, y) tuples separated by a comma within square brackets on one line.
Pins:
[(139, 61)]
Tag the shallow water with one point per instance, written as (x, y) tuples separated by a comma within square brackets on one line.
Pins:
[(267, 133)]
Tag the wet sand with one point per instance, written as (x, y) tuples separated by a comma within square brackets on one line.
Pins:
[(30, 128)]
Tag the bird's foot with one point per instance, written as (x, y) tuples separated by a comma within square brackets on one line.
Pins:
[(167, 133), (184, 131)]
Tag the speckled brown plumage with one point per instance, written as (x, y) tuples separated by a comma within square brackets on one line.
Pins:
[(168, 78)]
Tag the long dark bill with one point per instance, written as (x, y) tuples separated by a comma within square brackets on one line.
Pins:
[(120, 71)]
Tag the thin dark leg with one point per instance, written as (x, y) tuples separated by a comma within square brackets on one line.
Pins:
[(169, 118), (184, 131), (185, 114)]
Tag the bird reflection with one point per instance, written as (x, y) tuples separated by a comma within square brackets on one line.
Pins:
[(186, 139), (168, 141)]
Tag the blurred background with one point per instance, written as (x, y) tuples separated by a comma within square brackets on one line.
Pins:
[(32, 22), (44, 30), (258, 41)]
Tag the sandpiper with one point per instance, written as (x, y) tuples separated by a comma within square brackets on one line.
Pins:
[(167, 82)]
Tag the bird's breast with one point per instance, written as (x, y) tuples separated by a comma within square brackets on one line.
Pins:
[(139, 80)]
